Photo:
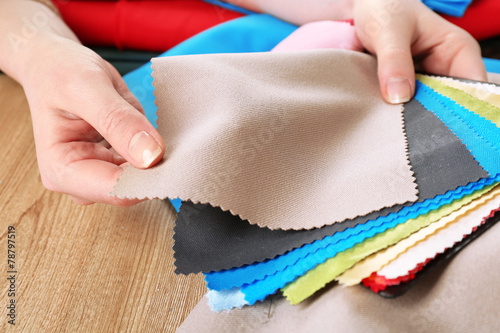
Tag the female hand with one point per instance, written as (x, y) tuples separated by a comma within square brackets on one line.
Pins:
[(402, 33), (87, 124)]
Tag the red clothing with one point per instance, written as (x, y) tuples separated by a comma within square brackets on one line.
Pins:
[(147, 25)]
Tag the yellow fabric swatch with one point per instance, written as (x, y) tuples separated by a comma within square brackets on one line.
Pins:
[(378, 260), (473, 90), (317, 278)]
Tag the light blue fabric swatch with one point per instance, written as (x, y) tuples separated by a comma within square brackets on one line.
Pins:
[(226, 299), (444, 108), (329, 246), (492, 65)]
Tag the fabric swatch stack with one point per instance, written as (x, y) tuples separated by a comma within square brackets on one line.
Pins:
[(301, 175), (456, 195)]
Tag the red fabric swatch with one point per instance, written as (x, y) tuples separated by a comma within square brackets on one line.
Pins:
[(148, 25), (480, 19), (379, 283)]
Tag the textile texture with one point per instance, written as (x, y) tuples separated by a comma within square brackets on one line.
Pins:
[(282, 160)]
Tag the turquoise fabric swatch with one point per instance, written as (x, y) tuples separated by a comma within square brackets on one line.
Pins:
[(274, 270), (492, 65), (446, 110)]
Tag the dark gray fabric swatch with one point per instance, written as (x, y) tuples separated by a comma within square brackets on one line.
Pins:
[(209, 239)]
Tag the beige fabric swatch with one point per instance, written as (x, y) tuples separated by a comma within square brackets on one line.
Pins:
[(460, 296), (439, 242), (291, 140)]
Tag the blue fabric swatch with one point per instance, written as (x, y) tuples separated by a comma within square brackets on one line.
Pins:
[(260, 289), (280, 267), (444, 108), (226, 299), (455, 8), (492, 65)]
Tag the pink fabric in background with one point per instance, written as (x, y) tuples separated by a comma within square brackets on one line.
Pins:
[(322, 35)]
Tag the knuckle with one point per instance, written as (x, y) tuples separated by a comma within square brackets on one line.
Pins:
[(70, 153), (395, 52), (78, 82), (461, 38), (55, 172), (114, 121)]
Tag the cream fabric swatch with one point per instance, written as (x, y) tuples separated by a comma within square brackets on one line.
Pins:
[(486, 92), (438, 242), (375, 262), (291, 140)]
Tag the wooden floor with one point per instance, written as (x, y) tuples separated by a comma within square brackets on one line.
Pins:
[(81, 268)]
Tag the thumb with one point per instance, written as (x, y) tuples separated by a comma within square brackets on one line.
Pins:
[(391, 43), (396, 72), (124, 127), (396, 75)]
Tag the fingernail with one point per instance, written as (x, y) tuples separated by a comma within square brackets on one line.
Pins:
[(398, 90), (144, 149)]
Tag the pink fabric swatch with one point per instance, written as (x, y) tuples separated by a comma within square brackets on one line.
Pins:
[(321, 35)]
